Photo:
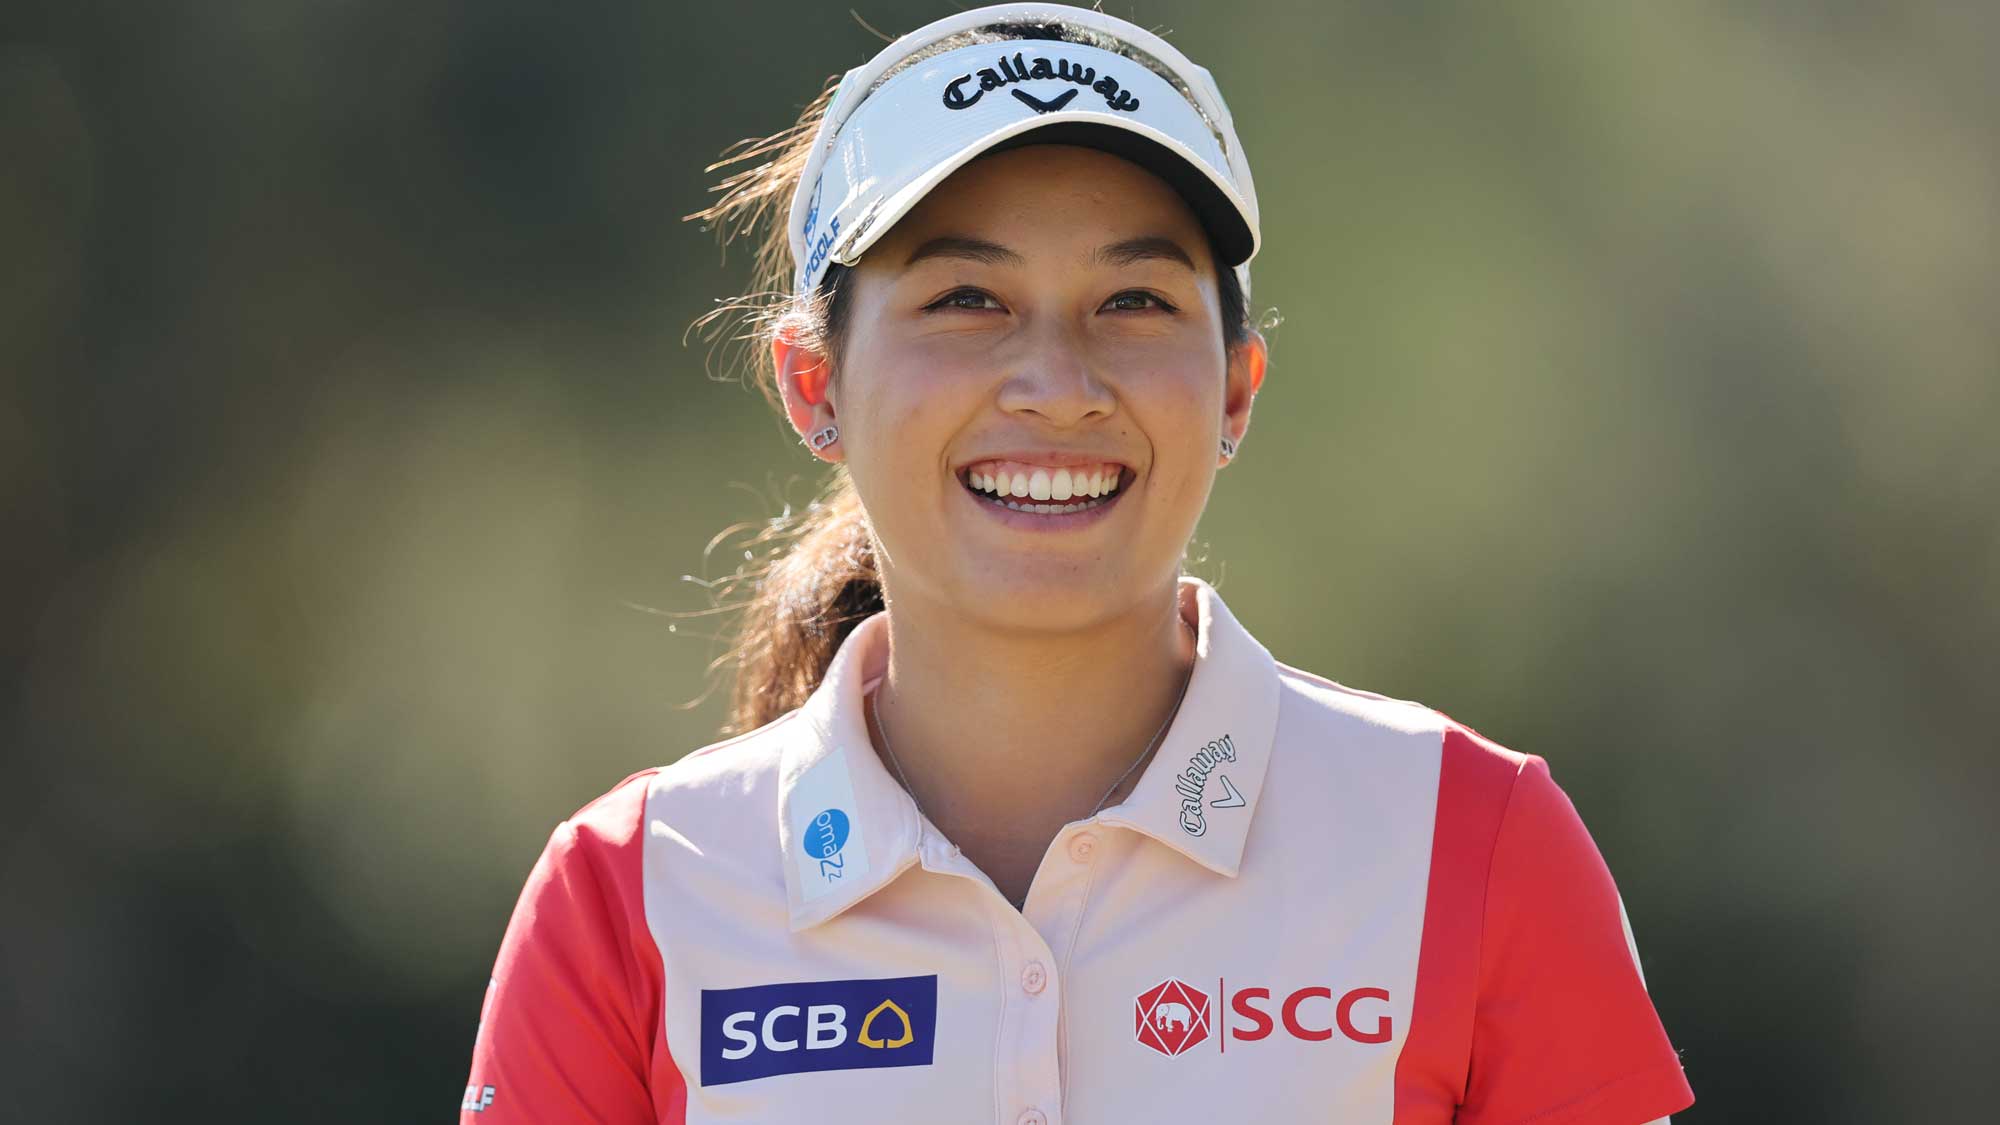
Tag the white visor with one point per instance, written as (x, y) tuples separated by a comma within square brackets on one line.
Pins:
[(886, 142)]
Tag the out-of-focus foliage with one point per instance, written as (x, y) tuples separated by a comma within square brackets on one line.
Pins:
[(1636, 402)]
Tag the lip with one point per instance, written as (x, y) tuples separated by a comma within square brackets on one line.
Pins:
[(1030, 521)]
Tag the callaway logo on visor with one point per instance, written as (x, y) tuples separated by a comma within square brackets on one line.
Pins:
[(1009, 71)]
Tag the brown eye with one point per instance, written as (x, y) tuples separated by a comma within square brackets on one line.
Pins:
[(971, 300), (1137, 300)]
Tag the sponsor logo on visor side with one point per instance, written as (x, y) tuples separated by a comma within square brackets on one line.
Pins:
[(812, 208), (817, 250), (793, 1028)]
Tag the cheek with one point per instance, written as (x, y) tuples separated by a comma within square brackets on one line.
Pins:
[(1177, 405), (1175, 395), (1187, 362), (904, 409)]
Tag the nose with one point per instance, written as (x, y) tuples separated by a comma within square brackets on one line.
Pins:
[(1054, 377)]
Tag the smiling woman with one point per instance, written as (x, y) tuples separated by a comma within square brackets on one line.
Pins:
[(1116, 863)]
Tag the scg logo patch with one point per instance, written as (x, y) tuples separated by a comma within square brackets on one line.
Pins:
[(1173, 1016), (769, 1029)]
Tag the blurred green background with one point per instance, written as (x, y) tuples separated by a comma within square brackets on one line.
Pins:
[(1635, 402)]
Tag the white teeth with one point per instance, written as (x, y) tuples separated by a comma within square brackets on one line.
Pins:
[(1082, 489)]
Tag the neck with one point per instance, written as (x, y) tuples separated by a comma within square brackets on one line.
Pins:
[(1025, 729)]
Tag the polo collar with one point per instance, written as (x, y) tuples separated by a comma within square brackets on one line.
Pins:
[(847, 827), (1200, 791)]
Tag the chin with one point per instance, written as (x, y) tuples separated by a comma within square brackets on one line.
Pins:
[(1061, 600)]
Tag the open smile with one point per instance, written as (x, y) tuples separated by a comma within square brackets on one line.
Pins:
[(1038, 497)]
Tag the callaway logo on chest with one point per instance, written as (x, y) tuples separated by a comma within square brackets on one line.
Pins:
[(1017, 69)]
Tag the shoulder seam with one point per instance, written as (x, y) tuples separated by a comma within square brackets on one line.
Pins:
[(654, 770), (608, 794)]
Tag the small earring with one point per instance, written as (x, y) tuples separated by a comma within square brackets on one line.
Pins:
[(824, 438), (1228, 448)]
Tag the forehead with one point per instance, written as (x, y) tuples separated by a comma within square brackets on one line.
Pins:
[(1051, 196)]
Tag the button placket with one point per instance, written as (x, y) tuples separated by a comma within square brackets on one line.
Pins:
[(1057, 911), (1027, 1072)]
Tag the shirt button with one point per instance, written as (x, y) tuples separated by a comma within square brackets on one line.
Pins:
[(1081, 846), (1034, 977), (1032, 1117)]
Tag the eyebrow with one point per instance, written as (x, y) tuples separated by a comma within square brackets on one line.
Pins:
[(1148, 248), (1128, 252), (974, 249)]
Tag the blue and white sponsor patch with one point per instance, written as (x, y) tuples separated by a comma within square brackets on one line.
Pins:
[(830, 849), (769, 1029)]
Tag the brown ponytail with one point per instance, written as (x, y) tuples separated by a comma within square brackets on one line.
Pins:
[(806, 599), (809, 599)]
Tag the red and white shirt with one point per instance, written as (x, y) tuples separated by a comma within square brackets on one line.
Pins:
[(1317, 905)]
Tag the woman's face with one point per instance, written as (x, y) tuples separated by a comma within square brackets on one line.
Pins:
[(1049, 316)]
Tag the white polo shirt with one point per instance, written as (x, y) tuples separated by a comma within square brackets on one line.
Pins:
[(1317, 905)]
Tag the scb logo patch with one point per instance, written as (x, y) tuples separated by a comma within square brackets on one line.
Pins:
[(769, 1029)]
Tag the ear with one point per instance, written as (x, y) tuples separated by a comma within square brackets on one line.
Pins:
[(1246, 374), (804, 385)]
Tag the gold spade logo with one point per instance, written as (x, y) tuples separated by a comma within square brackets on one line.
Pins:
[(902, 1040)]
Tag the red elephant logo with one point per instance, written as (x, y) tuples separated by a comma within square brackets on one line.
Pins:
[(1171, 1016)]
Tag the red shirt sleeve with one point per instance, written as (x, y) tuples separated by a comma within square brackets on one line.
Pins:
[(1563, 1031), (571, 1028)]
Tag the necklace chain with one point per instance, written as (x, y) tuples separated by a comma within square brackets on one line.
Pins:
[(1150, 745)]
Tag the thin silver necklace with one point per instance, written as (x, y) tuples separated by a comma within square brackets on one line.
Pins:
[(1150, 745)]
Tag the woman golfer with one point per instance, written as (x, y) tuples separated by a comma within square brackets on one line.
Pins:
[(1025, 827)]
